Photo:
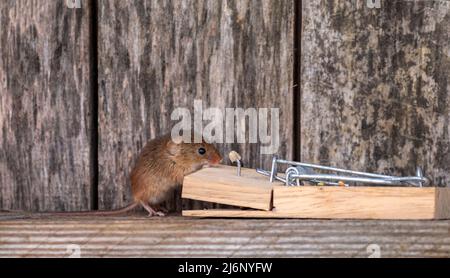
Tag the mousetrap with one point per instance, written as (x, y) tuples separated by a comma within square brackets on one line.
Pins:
[(304, 192)]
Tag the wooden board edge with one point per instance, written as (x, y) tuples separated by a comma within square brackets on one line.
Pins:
[(266, 206), (265, 201), (223, 213), (228, 213)]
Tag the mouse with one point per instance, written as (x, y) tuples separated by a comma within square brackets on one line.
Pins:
[(160, 167)]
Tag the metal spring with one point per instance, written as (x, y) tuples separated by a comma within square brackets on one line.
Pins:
[(297, 172)]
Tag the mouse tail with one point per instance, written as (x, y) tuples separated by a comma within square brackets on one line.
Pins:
[(93, 213)]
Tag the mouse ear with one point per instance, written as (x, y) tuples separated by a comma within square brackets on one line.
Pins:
[(173, 146), (177, 139)]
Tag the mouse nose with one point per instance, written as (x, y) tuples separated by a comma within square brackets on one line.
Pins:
[(216, 158)]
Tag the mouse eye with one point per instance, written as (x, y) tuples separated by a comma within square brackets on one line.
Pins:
[(202, 151)]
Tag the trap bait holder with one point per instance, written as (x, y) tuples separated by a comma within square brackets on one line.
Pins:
[(297, 173)]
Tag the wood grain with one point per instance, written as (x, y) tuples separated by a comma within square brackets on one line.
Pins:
[(375, 86), (222, 185), (45, 117), (358, 202), (374, 82), (225, 238), (155, 56), (442, 207)]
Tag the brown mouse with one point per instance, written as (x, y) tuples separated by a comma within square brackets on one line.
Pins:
[(163, 164), (160, 167)]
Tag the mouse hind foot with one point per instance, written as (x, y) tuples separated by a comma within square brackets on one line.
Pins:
[(151, 212)]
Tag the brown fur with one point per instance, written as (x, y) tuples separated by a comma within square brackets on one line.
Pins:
[(163, 164)]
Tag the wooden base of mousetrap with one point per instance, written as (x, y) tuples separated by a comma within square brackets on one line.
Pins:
[(274, 200)]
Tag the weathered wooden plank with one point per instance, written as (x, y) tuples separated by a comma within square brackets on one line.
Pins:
[(375, 86), (155, 56), (144, 237), (442, 207), (45, 116), (222, 185)]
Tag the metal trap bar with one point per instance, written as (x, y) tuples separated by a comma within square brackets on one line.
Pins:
[(297, 172)]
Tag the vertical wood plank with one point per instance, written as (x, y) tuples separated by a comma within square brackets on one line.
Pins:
[(44, 106), (156, 56), (375, 86)]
